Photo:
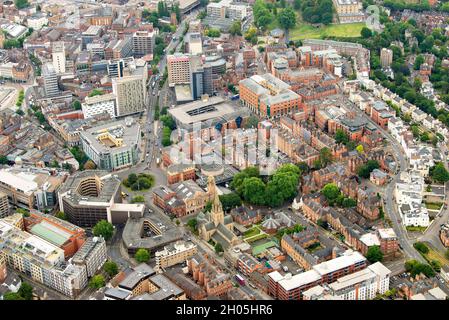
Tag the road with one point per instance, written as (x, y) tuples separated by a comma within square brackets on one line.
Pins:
[(389, 201)]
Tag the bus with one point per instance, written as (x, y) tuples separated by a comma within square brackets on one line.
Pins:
[(240, 279)]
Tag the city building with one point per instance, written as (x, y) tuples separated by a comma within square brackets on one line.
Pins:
[(130, 93), (178, 68), (51, 86), (58, 55), (93, 195), (142, 283), (267, 96), (4, 205), (386, 57), (208, 275), (60, 233), (112, 146), (174, 254), (143, 43), (349, 11), (361, 285), (98, 105), (40, 260), (30, 188), (290, 287), (92, 255)]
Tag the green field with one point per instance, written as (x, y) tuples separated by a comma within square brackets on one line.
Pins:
[(433, 206), (306, 31)]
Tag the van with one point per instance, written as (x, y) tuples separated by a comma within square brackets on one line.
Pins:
[(285, 268)]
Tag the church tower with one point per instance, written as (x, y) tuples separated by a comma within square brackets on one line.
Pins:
[(216, 213)]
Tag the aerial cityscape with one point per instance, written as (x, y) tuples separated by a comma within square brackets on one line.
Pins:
[(224, 150)]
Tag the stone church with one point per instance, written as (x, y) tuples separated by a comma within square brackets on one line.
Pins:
[(215, 224)]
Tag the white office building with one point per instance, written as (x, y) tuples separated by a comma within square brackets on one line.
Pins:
[(58, 55)]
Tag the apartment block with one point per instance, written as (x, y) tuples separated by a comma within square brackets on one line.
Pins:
[(290, 287), (362, 285), (174, 254)]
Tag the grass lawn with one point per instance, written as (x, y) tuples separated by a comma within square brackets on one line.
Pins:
[(251, 232), (256, 237), (306, 31), (435, 255), (433, 206), (416, 229)]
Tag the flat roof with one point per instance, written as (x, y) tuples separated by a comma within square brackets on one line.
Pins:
[(202, 110), (347, 259), (51, 233)]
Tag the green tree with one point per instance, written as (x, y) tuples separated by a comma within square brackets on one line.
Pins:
[(439, 173), (103, 228), (251, 122), (76, 105), (218, 248), (96, 92), (236, 28), (349, 203), (253, 190), (303, 167), (20, 4), (325, 156), (365, 170), (192, 223), (12, 296), (61, 215), (374, 254), (331, 191), (418, 62), (421, 247), (213, 33), (366, 33), (208, 206), (3, 159), (111, 268), (230, 201), (359, 148), (142, 255), (138, 199), (26, 291), (341, 136), (97, 282), (287, 18)]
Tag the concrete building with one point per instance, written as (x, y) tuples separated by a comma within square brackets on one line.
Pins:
[(4, 205), (30, 189), (178, 67), (143, 43), (93, 195), (112, 146), (40, 260), (60, 233), (130, 93), (50, 80), (99, 104), (92, 255), (58, 56), (386, 57), (174, 254), (194, 43), (362, 285), (290, 287)]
